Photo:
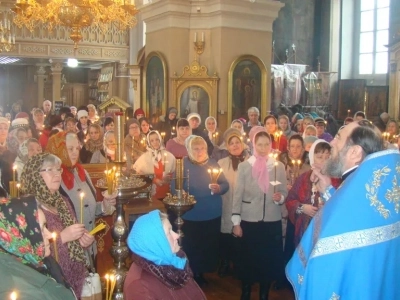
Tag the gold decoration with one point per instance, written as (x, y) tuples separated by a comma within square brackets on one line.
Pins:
[(7, 33), (75, 14)]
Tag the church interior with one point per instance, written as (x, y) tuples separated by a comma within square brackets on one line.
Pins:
[(211, 57)]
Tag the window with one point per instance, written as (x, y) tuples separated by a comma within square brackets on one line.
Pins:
[(374, 35)]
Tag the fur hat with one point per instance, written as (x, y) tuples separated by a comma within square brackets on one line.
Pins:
[(82, 113)]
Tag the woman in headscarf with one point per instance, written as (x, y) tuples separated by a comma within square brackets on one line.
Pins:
[(168, 125), (158, 161), (41, 178), (94, 142), (76, 180), (83, 124), (284, 125), (176, 145), (213, 133), (107, 153), (25, 260), (28, 149), (237, 154), (134, 142), (256, 215), (203, 222), (303, 200), (160, 270), (92, 113)]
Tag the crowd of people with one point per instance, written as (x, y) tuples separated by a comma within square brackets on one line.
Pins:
[(272, 205)]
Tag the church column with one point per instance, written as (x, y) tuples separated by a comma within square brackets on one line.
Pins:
[(136, 84), (56, 68), (122, 77), (40, 75)]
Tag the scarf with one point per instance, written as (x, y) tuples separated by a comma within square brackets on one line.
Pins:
[(32, 183), (57, 145), (170, 276), (188, 144), (156, 154), (157, 248), (259, 163), (236, 160), (312, 150), (93, 146)]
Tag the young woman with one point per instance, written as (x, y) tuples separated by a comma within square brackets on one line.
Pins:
[(284, 125), (108, 124), (279, 141), (213, 133), (145, 126), (83, 124), (256, 215), (158, 161), (94, 142), (177, 145), (107, 153)]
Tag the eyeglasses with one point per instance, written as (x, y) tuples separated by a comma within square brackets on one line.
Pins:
[(133, 127), (52, 170)]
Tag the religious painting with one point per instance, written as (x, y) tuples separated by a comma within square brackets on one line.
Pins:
[(351, 97), (195, 92), (194, 99), (155, 85), (247, 88), (377, 101)]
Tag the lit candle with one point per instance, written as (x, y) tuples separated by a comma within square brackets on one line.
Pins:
[(107, 277), (14, 169), (275, 164), (81, 195), (113, 280), (13, 296), (163, 135), (18, 186), (54, 237)]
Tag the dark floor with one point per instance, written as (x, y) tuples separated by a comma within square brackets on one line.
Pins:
[(229, 288)]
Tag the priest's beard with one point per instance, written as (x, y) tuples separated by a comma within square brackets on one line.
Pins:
[(335, 165)]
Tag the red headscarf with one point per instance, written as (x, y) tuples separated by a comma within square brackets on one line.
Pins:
[(57, 145)]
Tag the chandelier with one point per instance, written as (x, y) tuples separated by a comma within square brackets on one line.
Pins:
[(7, 35), (75, 14)]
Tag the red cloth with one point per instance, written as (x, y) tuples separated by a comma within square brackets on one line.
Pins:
[(161, 191), (282, 146), (140, 284), (299, 194), (68, 177)]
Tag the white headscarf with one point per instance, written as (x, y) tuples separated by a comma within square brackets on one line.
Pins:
[(156, 153), (312, 150)]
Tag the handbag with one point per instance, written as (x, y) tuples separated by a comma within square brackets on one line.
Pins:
[(92, 286)]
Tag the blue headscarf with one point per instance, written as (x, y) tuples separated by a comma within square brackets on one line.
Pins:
[(148, 240)]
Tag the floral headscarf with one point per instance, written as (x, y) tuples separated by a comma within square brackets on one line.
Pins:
[(57, 145), (156, 154), (32, 183), (20, 233)]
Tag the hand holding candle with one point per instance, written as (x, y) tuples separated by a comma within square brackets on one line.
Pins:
[(214, 175)]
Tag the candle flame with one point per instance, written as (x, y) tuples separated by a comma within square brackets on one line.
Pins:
[(14, 167), (276, 163), (82, 194), (107, 276), (18, 185), (54, 236), (299, 161), (112, 277), (13, 296)]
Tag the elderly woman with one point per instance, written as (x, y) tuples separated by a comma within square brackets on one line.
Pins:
[(303, 200), (134, 143), (160, 270), (41, 178), (256, 215), (158, 161), (28, 149), (76, 180), (176, 145), (203, 222), (279, 141), (237, 154), (107, 153), (94, 142), (393, 129), (25, 253)]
